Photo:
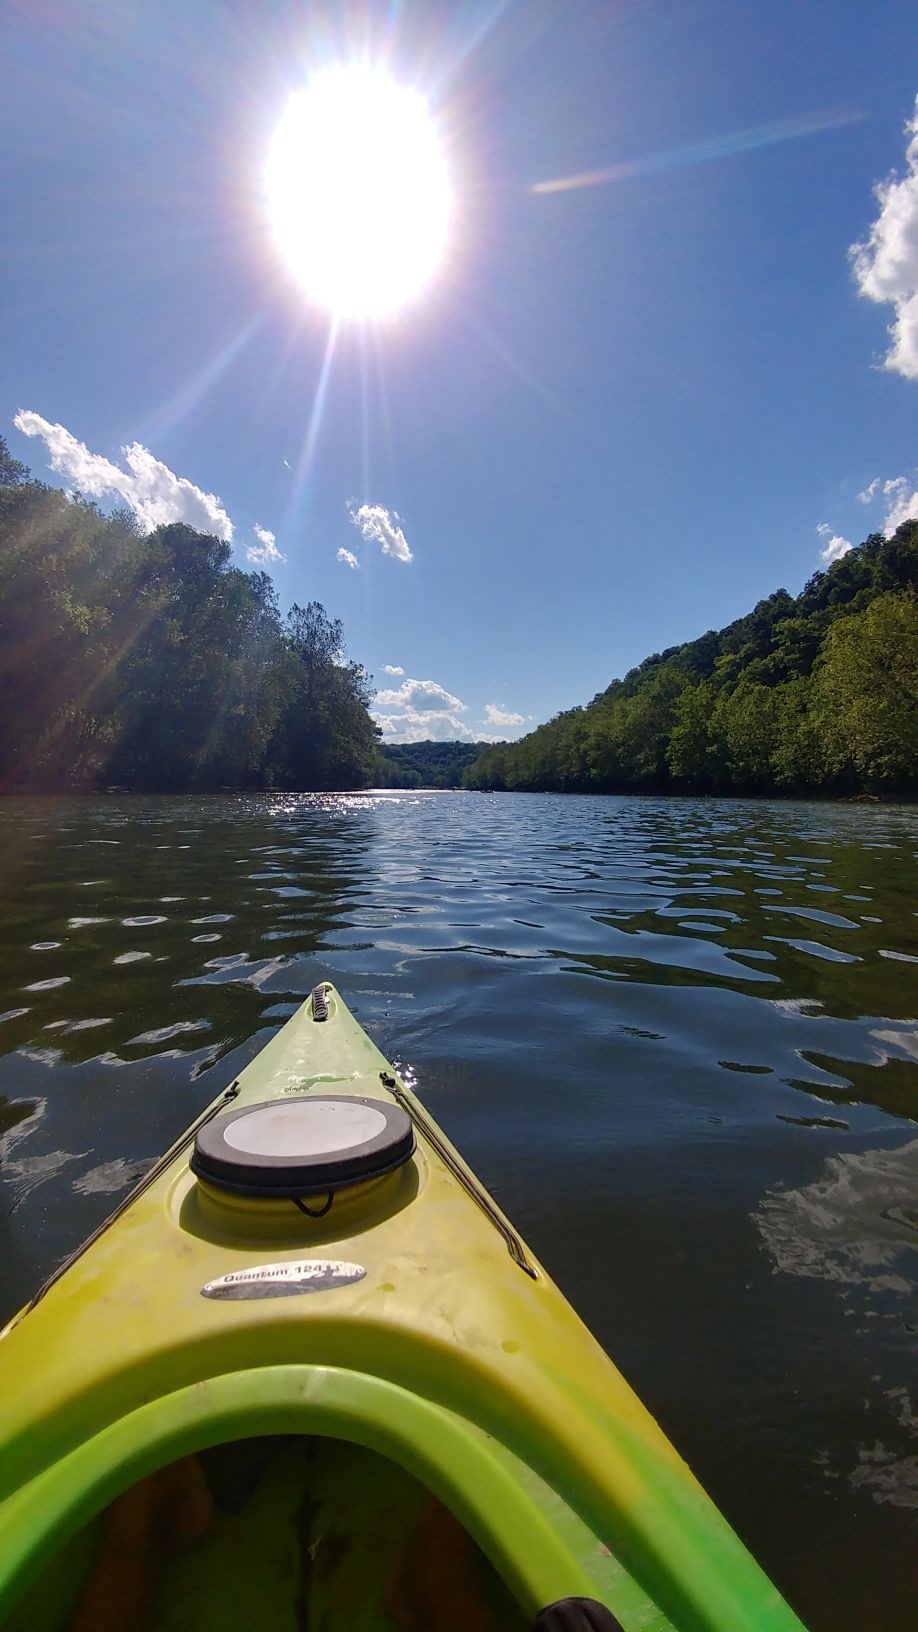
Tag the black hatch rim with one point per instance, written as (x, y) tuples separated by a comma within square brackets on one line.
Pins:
[(245, 1172)]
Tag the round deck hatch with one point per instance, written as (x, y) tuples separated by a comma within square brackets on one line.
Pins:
[(303, 1146)]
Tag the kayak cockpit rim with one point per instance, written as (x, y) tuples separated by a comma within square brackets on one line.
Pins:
[(446, 1454)]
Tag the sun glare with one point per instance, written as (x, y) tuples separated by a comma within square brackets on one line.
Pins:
[(357, 190)]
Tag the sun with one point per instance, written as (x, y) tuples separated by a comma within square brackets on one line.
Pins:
[(357, 191)]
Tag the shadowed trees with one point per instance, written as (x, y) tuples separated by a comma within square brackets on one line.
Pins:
[(150, 662)]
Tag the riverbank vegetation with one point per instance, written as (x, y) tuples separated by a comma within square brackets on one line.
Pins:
[(816, 694), (425, 764), (148, 662)]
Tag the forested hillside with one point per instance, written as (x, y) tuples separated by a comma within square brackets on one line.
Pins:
[(149, 662), (425, 764), (817, 694)]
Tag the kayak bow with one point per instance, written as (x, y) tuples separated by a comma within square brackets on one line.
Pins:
[(314, 1265)]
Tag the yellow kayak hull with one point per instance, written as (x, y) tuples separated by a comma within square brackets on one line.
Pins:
[(452, 1353)]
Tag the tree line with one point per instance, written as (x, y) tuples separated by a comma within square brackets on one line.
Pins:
[(149, 662), (425, 764), (816, 694)]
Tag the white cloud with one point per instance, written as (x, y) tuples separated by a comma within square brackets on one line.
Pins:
[(836, 546), (154, 493), (382, 527), (348, 557), (419, 725), (418, 709), (265, 553), (870, 492), (886, 266), (900, 497), (420, 694), (496, 714), (392, 668), (902, 503), (421, 709)]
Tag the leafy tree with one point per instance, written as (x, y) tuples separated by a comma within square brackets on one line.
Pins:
[(798, 754), (424, 764), (866, 695), (12, 471), (151, 662), (747, 720), (695, 752), (325, 736)]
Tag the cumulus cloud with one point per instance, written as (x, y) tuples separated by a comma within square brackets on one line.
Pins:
[(422, 725), (496, 714), (419, 709), (420, 694), (835, 546), (392, 668), (381, 526), (900, 500), (149, 488), (886, 265), (265, 553), (348, 557)]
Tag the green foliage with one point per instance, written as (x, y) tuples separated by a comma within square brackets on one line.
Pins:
[(324, 737), (424, 764), (866, 695), (150, 662), (12, 471), (817, 694), (695, 752)]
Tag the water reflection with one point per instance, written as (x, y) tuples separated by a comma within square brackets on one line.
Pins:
[(855, 1227)]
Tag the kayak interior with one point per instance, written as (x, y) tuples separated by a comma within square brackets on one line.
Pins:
[(276, 1532)]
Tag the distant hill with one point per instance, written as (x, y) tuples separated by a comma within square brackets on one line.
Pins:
[(813, 694), (425, 764)]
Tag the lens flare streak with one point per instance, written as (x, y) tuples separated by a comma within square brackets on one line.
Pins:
[(718, 147), (195, 390), (307, 455)]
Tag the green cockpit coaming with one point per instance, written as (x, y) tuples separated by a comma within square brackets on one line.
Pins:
[(535, 1541)]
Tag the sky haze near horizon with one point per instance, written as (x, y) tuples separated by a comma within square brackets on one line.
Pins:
[(653, 381)]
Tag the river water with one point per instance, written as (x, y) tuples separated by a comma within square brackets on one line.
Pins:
[(677, 1039)]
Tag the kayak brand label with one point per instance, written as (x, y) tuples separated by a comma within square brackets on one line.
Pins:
[(284, 1280)]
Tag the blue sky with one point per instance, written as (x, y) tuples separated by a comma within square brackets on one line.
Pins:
[(616, 418)]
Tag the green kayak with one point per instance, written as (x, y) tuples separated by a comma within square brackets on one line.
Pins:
[(308, 1376)]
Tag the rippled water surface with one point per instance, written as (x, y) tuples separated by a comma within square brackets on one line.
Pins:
[(677, 1039)]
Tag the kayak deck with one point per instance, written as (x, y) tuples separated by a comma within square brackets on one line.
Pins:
[(403, 1316)]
